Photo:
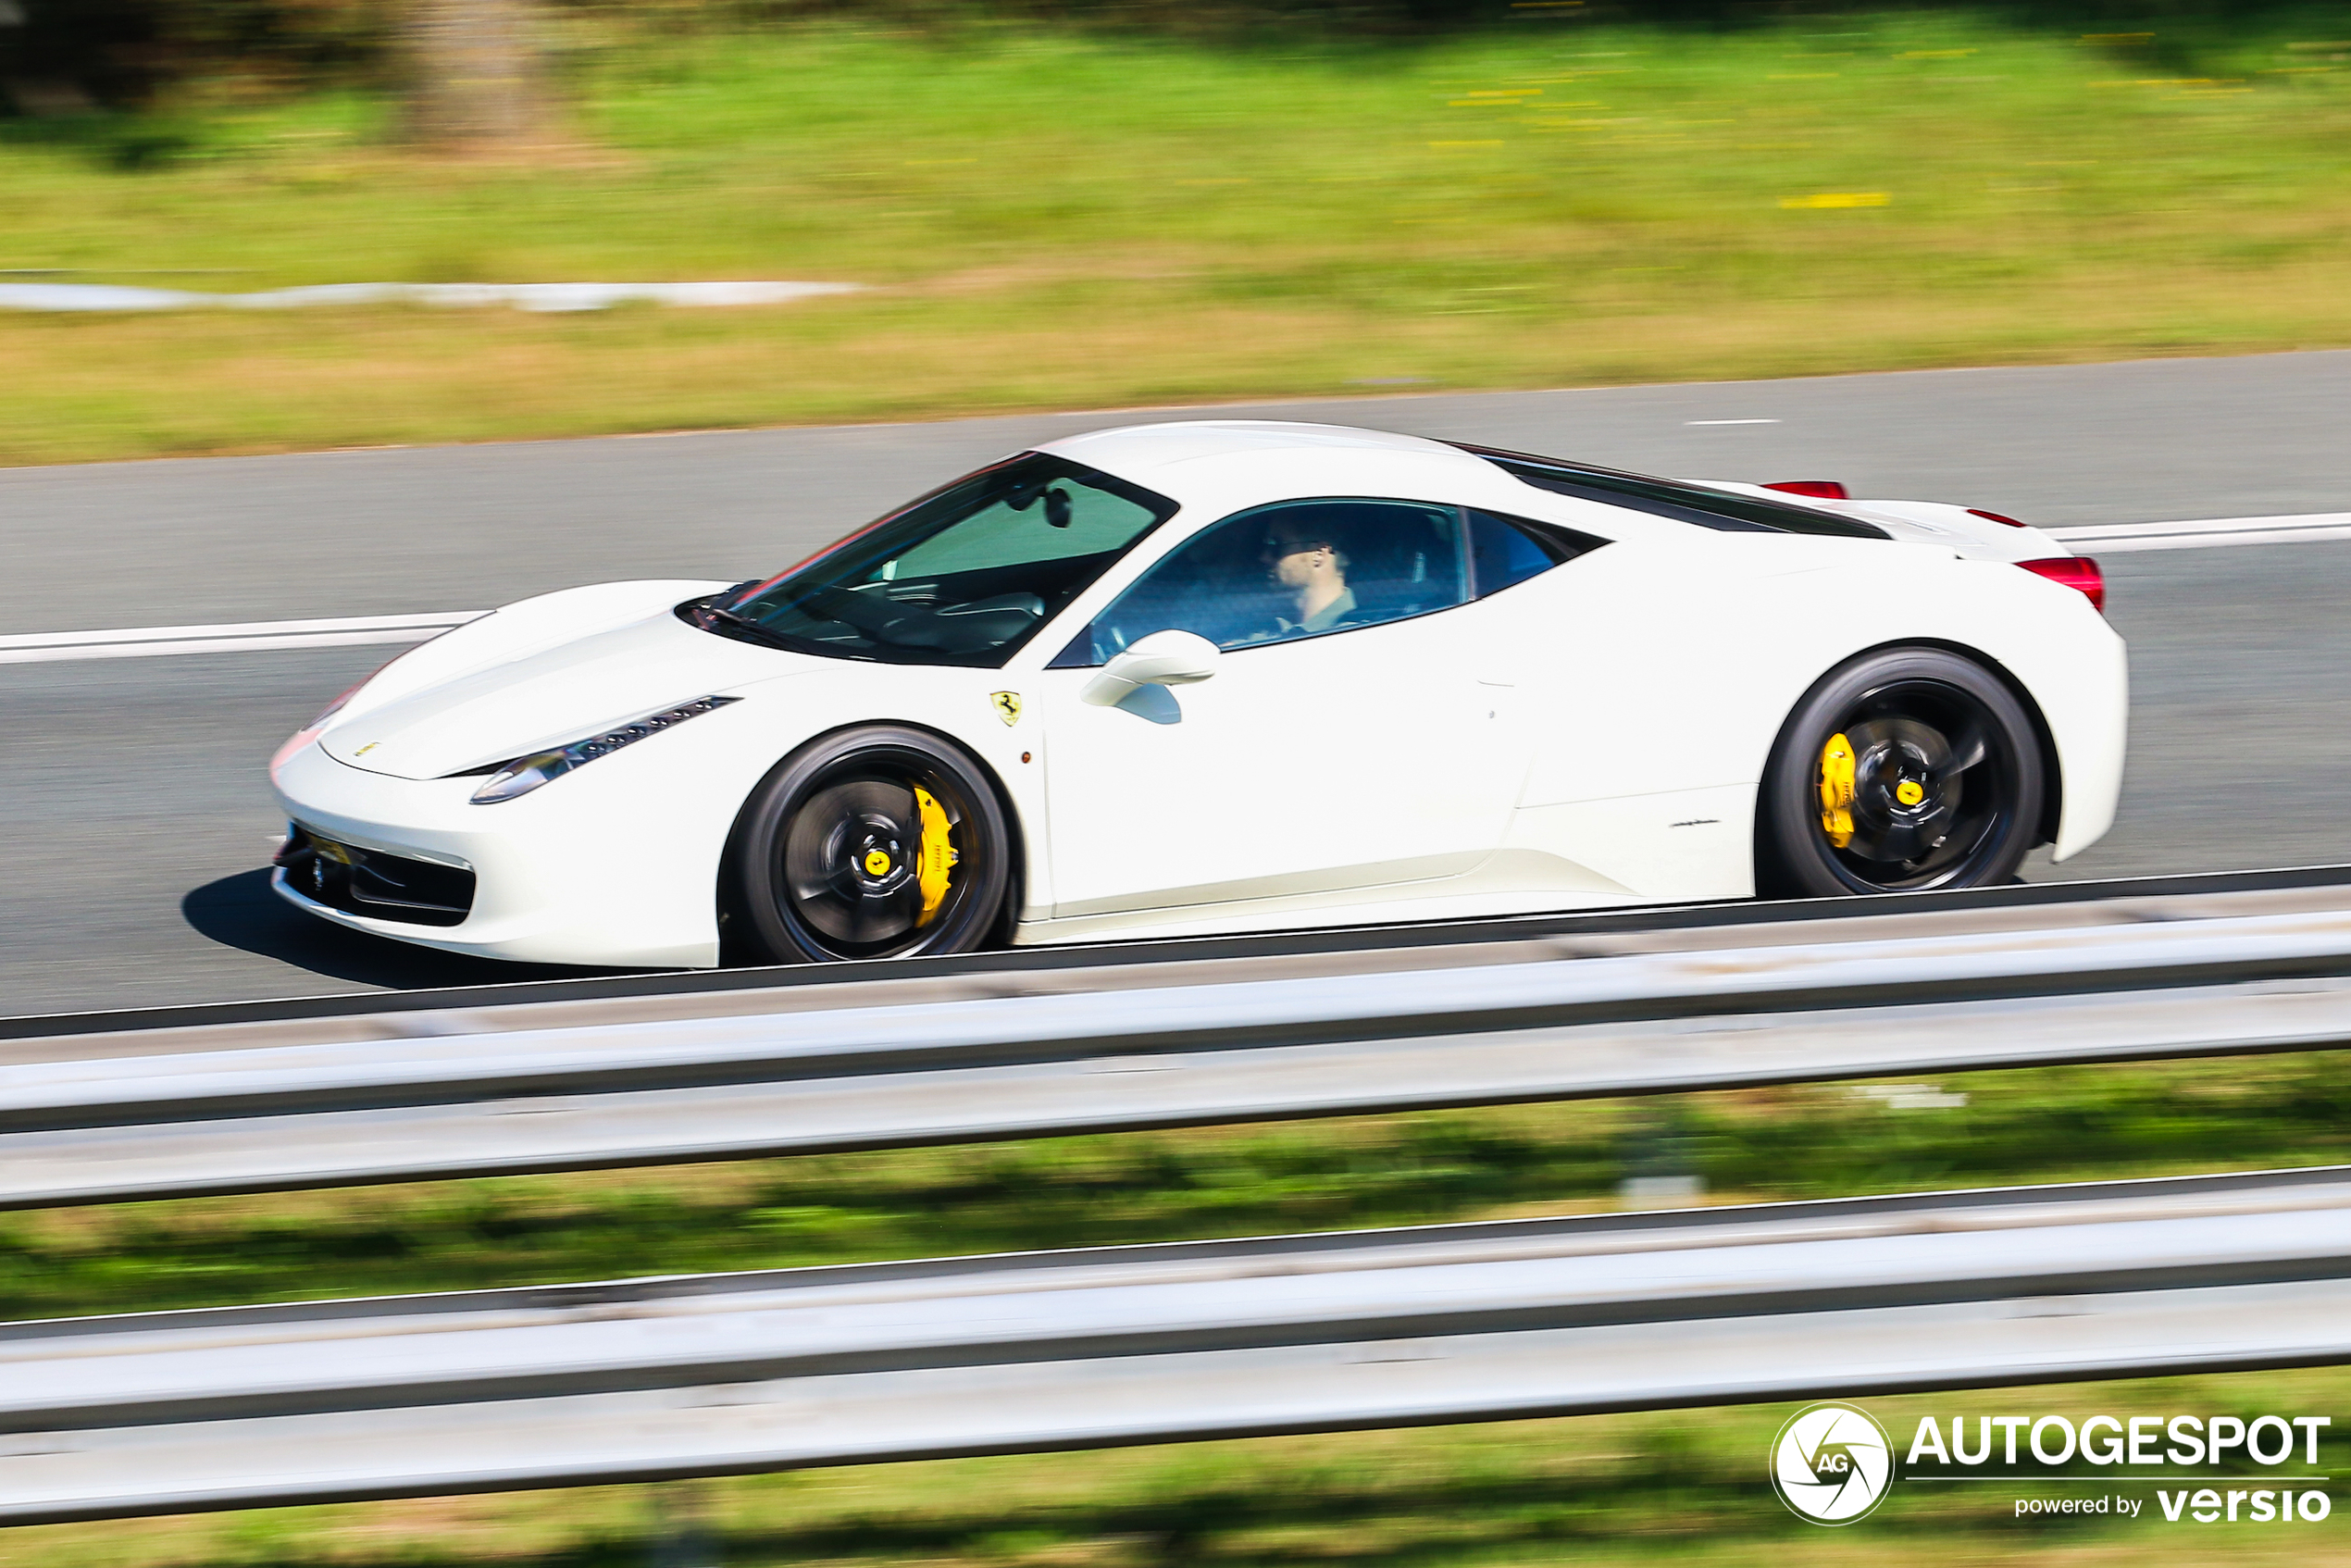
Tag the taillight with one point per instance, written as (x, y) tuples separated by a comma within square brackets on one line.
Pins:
[(1819, 489), (2077, 572), (1995, 518)]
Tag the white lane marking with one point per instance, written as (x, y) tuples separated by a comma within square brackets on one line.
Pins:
[(1730, 421), (235, 629), (2109, 539), (155, 641), (522, 296)]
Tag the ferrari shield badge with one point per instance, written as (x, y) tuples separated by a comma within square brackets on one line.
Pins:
[(1007, 706)]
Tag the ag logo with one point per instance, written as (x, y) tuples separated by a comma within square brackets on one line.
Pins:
[(1007, 706), (1831, 1463)]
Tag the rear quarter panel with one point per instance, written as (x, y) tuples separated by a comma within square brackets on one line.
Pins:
[(1656, 671)]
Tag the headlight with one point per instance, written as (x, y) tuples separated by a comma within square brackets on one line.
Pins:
[(523, 775)]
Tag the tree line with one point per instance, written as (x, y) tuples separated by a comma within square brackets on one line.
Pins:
[(474, 71)]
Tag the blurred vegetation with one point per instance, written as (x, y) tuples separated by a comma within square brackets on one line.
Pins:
[(1058, 218), (1988, 1129), (123, 52)]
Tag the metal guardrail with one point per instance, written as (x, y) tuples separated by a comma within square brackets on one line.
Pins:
[(644, 1379), (2035, 902), (108, 1117)]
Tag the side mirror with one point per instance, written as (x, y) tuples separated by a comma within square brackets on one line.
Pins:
[(1164, 658)]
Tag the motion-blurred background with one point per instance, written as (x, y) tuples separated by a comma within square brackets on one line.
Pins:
[(1103, 202), (1107, 203)]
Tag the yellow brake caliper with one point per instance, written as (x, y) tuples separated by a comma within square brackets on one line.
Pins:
[(1836, 791), (936, 860)]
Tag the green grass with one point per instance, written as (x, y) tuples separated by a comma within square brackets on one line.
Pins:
[(2043, 1124), (1054, 219)]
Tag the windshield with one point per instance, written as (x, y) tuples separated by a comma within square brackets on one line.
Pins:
[(963, 575)]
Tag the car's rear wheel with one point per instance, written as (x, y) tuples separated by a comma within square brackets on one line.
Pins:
[(1906, 769), (878, 842)]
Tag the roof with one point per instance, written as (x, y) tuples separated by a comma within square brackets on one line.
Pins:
[(1137, 451)]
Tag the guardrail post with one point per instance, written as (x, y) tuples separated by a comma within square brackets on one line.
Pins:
[(1661, 1157), (682, 1536)]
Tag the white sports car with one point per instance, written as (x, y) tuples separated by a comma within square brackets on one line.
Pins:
[(1221, 677)]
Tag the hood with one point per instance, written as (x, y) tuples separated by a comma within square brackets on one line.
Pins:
[(558, 693)]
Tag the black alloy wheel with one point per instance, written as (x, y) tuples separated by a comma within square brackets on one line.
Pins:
[(878, 842), (1904, 770)]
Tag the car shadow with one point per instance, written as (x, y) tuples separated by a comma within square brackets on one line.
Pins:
[(243, 912)]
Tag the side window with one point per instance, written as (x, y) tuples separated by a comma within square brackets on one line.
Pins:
[(1504, 550), (1297, 570)]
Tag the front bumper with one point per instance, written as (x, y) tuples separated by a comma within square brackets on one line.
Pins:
[(597, 868), (315, 869)]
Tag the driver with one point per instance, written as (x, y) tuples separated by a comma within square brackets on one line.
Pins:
[(1311, 566)]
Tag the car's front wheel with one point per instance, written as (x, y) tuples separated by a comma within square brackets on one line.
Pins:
[(1903, 770), (876, 843)]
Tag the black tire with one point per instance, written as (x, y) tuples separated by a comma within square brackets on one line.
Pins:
[(826, 860), (1946, 781)]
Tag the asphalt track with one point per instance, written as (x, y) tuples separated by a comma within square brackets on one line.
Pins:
[(133, 812)]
